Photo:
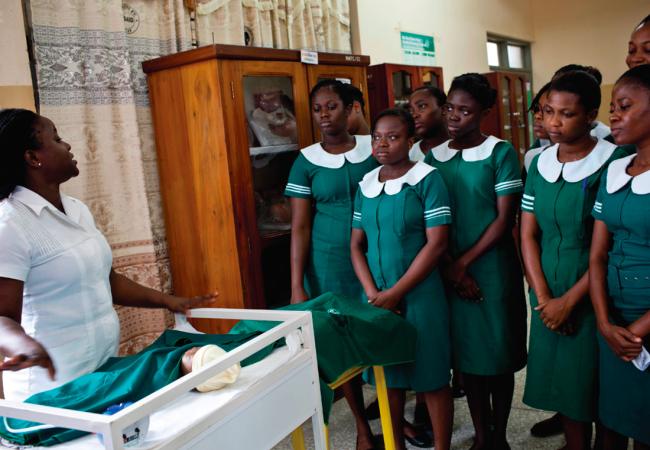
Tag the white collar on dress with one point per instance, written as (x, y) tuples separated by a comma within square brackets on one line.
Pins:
[(318, 156), (600, 130), (483, 151), (416, 154), (551, 169), (617, 177), (37, 203), (530, 155), (372, 187)]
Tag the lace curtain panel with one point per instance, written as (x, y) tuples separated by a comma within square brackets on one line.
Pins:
[(87, 56)]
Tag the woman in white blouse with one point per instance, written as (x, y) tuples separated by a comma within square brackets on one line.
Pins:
[(57, 286)]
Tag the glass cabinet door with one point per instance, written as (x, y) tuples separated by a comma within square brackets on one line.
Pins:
[(402, 84), (431, 76), (505, 108), (270, 104), (272, 132), (519, 113)]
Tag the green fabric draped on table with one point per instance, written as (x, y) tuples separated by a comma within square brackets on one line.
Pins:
[(349, 334), (129, 378)]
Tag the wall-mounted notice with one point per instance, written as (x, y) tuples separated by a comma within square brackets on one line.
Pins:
[(418, 49)]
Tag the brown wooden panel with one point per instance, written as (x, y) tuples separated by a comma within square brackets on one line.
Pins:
[(221, 51), (381, 78), (195, 184)]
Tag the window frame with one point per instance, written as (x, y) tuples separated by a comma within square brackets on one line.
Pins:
[(502, 43)]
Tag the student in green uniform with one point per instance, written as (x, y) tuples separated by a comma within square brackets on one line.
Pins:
[(638, 49), (400, 232), (555, 235), (598, 129), (541, 136), (322, 184), (425, 105), (357, 124), (619, 270), (488, 310)]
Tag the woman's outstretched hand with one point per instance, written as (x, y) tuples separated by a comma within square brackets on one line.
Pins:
[(184, 304), (32, 354)]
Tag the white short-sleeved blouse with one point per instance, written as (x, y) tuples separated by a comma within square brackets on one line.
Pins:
[(64, 262)]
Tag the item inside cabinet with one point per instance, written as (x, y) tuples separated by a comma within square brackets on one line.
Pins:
[(270, 114)]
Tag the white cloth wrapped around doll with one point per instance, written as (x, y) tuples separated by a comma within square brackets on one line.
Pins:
[(198, 357)]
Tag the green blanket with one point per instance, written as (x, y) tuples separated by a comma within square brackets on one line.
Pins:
[(129, 378), (349, 333)]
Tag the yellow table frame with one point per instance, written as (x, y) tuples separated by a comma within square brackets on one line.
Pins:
[(298, 438)]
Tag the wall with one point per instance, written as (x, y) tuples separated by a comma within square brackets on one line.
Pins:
[(590, 32), (458, 26), (15, 78)]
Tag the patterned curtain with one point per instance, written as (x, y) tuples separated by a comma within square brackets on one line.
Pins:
[(322, 25), (90, 83)]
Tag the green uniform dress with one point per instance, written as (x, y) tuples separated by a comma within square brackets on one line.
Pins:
[(394, 216), (623, 203), (489, 337), (561, 373), (349, 334), (118, 380), (331, 182)]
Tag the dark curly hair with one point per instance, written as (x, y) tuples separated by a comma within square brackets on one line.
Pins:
[(357, 95), (591, 70), (339, 88), (437, 93), (17, 135), (477, 86), (534, 105), (639, 76), (580, 83), (402, 115)]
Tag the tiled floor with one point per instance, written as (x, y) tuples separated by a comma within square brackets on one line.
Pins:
[(342, 433)]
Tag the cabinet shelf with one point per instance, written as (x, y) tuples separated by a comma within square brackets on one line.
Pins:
[(273, 149)]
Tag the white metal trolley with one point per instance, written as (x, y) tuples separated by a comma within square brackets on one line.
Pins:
[(271, 398)]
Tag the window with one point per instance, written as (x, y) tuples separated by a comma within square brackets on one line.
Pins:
[(493, 54), (516, 56), (508, 54)]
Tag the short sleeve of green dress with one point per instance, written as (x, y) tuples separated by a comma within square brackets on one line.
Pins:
[(489, 337), (623, 205), (394, 216), (330, 182), (561, 373)]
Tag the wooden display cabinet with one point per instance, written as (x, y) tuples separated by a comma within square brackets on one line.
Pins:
[(508, 119), (229, 122), (390, 85)]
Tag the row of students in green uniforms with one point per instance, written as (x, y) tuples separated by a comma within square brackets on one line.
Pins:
[(481, 264), (588, 359), (573, 390), (486, 332)]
